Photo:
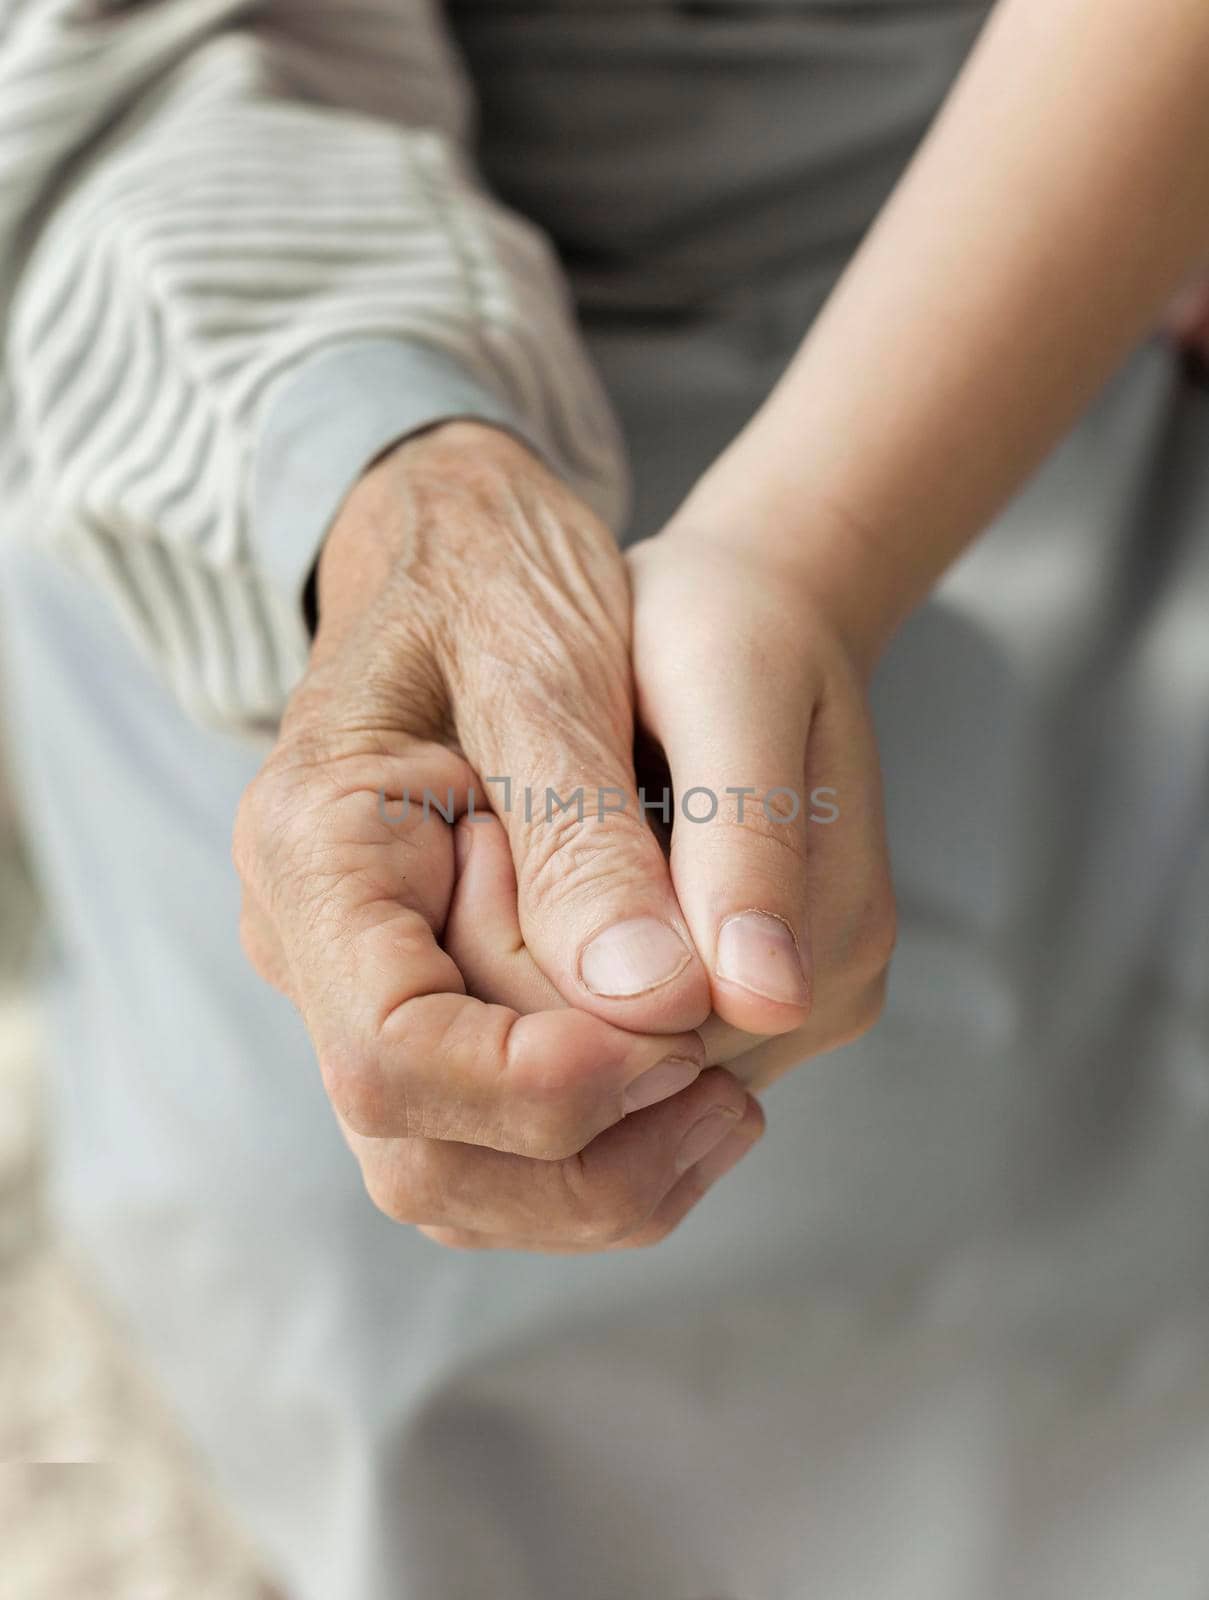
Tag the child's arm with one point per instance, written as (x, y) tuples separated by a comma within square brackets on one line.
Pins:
[(1059, 201)]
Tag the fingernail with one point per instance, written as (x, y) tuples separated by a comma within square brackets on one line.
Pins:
[(702, 1137), (722, 1158), (758, 951), (659, 1083), (632, 957)]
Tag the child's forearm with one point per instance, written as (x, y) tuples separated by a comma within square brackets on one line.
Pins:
[(1061, 197)]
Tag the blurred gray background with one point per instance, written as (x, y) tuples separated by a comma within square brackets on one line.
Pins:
[(99, 1497)]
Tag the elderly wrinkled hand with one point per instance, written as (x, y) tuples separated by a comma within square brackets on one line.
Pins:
[(475, 617), (778, 853)]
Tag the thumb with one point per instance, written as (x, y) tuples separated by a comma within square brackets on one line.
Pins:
[(738, 857), (594, 892)]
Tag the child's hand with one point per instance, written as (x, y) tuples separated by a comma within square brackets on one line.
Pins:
[(745, 686)]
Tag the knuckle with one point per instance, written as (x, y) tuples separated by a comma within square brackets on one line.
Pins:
[(427, 1197), (264, 803), (389, 1191), (552, 1132), (568, 854), (619, 1222), (260, 946), (772, 820), (780, 842), (245, 835), (270, 825), (357, 1088), (564, 658), (600, 1212), (556, 1121)]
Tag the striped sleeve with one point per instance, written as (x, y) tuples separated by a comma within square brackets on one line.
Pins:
[(243, 248)]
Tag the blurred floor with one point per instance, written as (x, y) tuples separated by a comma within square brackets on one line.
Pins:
[(99, 1499)]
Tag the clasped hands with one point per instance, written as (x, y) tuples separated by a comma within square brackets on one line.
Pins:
[(540, 1030)]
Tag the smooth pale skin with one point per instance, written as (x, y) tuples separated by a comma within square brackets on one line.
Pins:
[(475, 618)]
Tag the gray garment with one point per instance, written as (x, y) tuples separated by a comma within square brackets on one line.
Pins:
[(944, 1334), (684, 156)]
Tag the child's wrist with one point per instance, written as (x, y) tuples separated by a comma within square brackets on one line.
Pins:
[(843, 567)]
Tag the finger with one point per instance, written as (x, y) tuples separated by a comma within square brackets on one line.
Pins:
[(606, 1193), (483, 936), (358, 898), (483, 929), (724, 1043), (852, 910), (737, 753), (852, 915), (667, 1216), (596, 904), (852, 1013), (851, 903)]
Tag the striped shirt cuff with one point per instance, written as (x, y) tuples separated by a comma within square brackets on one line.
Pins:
[(325, 425)]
